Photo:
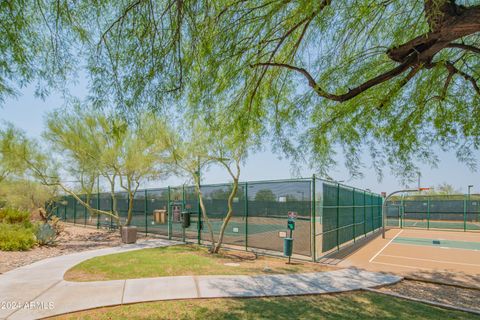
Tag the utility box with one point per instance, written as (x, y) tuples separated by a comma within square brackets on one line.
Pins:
[(287, 247), (185, 219), (160, 216)]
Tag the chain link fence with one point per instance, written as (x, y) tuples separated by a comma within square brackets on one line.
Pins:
[(329, 215), (455, 212)]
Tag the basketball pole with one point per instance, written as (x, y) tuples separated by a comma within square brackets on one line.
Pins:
[(384, 205)]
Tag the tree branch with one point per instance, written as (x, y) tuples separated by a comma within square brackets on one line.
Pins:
[(452, 69), (119, 19), (351, 92), (466, 47)]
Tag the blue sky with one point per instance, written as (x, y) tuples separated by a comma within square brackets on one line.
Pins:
[(27, 112)]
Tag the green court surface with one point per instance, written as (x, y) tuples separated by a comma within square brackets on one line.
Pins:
[(238, 228), (234, 228), (439, 243)]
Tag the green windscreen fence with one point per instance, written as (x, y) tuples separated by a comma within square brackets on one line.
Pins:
[(455, 212), (328, 215), (344, 214)]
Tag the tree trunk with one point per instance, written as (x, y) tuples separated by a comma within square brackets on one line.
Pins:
[(131, 197), (229, 215), (205, 216)]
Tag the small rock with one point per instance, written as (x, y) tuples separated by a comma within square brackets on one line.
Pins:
[(232, 264)]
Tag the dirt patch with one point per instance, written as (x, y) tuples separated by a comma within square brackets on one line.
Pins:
[(459, 297), (73, 239)]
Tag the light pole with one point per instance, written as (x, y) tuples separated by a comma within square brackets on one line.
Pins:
[(469, 187), (384, 206)]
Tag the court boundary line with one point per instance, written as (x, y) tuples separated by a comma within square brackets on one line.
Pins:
[(401, 265), (443, 248), (431, 260), (385, 246), (467, 234)]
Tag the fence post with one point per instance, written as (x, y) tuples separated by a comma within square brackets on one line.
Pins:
[(85, 215), (146, 212), (353, 214), (364, 213), (199, 224), (246, 216), (183, 209), (74, 210), (313, 220), (98, 202), (111, 209), (464, 214), (169, 216), (428, 213), (380, 213), (371, 207), (402, 212), (338, 215)]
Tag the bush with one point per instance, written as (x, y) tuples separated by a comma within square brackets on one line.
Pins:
[(12, 215), (15, 237)]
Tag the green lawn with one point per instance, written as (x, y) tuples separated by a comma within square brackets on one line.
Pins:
[(181, 260), (353, 305)]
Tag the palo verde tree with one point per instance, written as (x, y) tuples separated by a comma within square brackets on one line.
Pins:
[(96, 143), (389, 78), (14, 145), (17, 186)]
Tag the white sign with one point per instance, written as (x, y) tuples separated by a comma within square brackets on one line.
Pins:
[(282, 199), (235, 230), (292, 215), (282, 234)]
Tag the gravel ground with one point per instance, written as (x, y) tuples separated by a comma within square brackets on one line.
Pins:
[(459, 297), (72, 239)]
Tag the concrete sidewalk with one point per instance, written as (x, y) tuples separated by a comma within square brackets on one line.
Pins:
[(38, 290)]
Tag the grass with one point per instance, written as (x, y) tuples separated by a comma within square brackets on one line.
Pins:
[(353, 305), (181, 260)]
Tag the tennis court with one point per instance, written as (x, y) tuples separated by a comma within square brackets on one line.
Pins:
[(425, 253), (439, 224)]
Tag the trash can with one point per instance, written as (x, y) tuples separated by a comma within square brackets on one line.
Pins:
[(129, 234), (287, 247), (185, 219)]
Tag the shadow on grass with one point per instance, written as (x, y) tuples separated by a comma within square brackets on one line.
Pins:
[(354, 305)]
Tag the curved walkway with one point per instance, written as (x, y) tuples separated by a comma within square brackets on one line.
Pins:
[(38, 290)]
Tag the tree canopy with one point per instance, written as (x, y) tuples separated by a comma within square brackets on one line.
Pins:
[(390, 79)]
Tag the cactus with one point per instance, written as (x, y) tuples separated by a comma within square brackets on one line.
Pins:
[(46, 234)]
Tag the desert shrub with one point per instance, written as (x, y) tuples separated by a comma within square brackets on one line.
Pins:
[(15, 237), (12, 216)]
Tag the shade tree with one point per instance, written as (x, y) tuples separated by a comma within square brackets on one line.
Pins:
[(93, 143), (391, 79)]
